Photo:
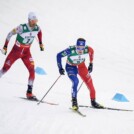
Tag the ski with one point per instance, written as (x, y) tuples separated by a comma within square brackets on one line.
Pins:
[(36, 100), (78, 112), (107, 108)]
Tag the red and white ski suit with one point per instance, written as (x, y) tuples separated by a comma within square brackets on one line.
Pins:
[(22, 52)]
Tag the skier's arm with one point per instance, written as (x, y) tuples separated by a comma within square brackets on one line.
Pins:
[(60, 55), (91, 54), (10, 34), (39, 35), (91, 57)]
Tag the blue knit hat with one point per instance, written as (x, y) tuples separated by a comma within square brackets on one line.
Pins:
[(81, 42)]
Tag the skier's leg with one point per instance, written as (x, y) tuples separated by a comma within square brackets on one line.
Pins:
[(86, 77), (29, 63), (83, 72), (11, 58), (75, 83), (72, 74)]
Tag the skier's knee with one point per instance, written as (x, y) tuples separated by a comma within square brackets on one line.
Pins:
[(76, 81)]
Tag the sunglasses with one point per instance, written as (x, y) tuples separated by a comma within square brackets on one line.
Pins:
[(80, 48)]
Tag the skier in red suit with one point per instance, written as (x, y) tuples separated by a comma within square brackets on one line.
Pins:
[(21, 49)]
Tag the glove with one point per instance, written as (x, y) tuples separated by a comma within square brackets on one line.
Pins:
[(4, 50), (41, 47), (62, 71), (90, 67)]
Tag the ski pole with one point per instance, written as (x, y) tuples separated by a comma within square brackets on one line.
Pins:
[(80, 86), (49, 90)]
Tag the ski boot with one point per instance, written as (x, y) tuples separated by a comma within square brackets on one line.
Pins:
[(95, 104), (29, 94), (74, 104)]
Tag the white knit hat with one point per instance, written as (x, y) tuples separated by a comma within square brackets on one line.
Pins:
[(32, 16)]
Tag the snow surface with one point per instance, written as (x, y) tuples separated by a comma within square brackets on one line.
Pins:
[(108, 27)]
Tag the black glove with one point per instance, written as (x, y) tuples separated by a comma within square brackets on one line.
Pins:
[(4, 50), (90, 67), (41, 47), (62, 71)]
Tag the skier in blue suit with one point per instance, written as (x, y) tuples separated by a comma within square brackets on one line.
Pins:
[(75, 64)]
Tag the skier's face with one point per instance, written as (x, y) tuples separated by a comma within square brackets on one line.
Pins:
[(80, 49), (33, 23)]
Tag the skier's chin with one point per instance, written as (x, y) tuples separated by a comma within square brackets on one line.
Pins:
[(33, 25)]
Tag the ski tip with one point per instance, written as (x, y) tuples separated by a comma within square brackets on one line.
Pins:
[(78, 112)]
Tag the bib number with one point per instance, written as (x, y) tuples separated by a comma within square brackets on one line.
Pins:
[(27, 41)]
